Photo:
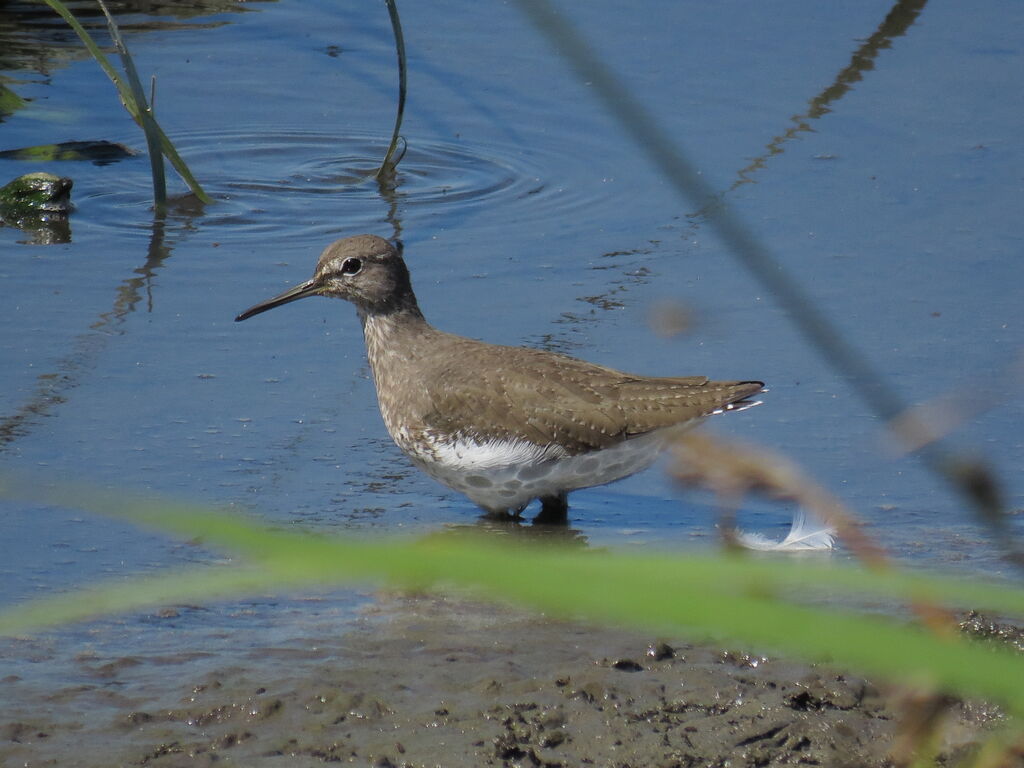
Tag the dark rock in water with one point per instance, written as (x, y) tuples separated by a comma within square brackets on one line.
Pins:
[(38, 203), (96, 152), (37, 192)]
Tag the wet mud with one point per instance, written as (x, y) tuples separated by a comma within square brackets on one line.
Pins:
[(422, 681)]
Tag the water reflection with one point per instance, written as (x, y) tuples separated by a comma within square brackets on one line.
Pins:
[(625, 269), (896, 23), (53, 387), (34, 37), (42, 228), (387, 188), (515, 530)]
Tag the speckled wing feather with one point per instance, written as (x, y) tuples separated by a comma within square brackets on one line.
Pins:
[(544, 398)]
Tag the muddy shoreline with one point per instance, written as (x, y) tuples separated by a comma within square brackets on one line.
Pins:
[(424, 681)]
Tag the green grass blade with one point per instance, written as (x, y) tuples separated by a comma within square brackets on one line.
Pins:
[(179, 165), (724, 598), (743, 575), (145, 111), (587, 586), (10, 102)]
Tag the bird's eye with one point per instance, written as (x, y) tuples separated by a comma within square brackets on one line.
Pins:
[(351, 267)]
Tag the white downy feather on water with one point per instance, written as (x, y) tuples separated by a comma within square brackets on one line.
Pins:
[(806, 533)]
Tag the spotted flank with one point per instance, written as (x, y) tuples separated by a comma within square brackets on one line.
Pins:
[(502, 476)]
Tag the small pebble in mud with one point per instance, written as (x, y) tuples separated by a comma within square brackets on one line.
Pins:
[(817, 692), (738, 659), (627, 665), (660, 651), (591, 692), (981, 627), (551, 719), (552, 739)]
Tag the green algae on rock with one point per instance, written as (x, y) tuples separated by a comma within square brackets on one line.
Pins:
[(38, 203), (36, 192)]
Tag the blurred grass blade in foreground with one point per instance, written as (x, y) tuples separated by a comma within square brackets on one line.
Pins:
[(721, 598)]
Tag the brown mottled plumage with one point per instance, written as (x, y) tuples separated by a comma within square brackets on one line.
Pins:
[(504, 425)]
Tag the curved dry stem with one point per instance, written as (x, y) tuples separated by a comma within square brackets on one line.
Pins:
[(387, 167)]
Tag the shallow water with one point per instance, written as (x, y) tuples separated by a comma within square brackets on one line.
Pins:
[(880, 170)]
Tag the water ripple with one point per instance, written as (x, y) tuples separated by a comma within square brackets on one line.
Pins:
[(303, 182)]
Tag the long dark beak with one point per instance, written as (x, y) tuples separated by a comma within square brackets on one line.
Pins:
[(308, 288)]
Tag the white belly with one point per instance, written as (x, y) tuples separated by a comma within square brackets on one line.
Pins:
[(502, 475)]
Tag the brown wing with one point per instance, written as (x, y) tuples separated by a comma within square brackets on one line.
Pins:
[(543, 398)]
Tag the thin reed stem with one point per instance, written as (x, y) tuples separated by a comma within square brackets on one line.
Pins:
[(145, 112), (134, 101), (387, 167)]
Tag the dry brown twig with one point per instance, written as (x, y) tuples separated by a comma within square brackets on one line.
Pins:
[(732, 471)]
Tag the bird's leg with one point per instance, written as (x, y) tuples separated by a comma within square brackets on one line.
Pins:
[(554, 510)]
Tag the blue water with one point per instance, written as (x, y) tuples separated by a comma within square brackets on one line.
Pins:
[(528, 218)]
